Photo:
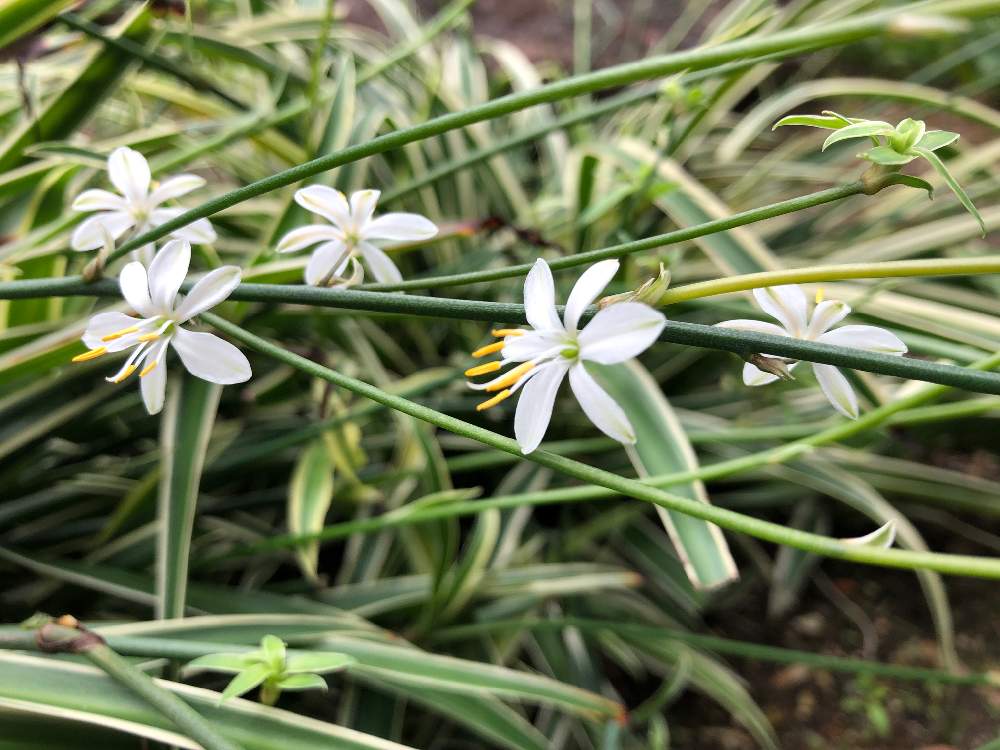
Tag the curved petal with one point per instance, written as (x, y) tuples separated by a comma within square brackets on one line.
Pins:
[(153, 385), (135, 288), (310, 234), (826, 314), (620, 332), (869, 338), (363, 204), (324, 258), (599, 407), (786, 304), (532, 344), (381, 265), (540, 298), (211, 289), (99, 200), (587, 287), (534, 407), (167, 272), (210, 358), (88, 236), (838, 391), (175, 187), (129, 172), (199, 231), (400, 227), (325, 201), (755, 326), (106, 323)]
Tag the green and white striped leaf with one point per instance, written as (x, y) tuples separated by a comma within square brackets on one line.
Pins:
[(309, 496)]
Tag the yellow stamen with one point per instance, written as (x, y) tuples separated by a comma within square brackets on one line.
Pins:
[(148, 369), (119, 334), (493, 401), (148, 337), (92, 354), (482, 369), (501, 332), (511, 377), (819, 295), (488, 349), (128, 371)]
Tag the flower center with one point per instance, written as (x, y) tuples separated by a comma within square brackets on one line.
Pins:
[(507, 383)]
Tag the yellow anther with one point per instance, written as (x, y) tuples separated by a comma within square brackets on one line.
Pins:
[(128, 371), (488, 349), (501, 332), (92, 354), (148, 337), (119, 334), (511, 377), (493, 401), (819, 295), (148, 369), (482, 369)]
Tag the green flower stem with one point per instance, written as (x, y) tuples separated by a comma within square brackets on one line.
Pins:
[(839, 272), (787, 42), (677, 332), (186, 719), (718, 645), (627, 248), (816, 543)]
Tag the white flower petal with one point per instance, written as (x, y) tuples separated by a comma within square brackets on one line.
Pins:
[(105, 323), (827, 314), (786, 304), (869, 338), (325, 201), (534, 407), (135, 288), (210, 358), (323, 259), (175, 187), (400, 227), (198, 232), (88, 235), (540, 298), (620, 332), (153, 385), (210, 290), (129, 172), (587, 287), (381, 265), (756, 326), (99, 200), (363, 204), (599, 407), (533, 344), (837, 389), (303, 237), (167, 272)]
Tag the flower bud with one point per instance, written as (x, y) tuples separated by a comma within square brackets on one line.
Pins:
[(649, 293), (907, 133)]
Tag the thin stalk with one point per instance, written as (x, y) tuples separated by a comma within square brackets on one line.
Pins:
[(787, 42), (816, 543), (740, 219), (739, 342), (719, 645)]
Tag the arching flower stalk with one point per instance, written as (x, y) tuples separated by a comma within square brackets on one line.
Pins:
[(788, 305), (154, 296), (138, 208), (552, 348), (351, 235)]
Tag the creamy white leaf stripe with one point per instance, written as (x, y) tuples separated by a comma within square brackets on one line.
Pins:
[(153, 296), (351, 233), (788, 305), (138, 207), (553, 348)]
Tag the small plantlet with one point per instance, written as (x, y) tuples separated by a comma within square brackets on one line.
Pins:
[(272, 668), (892, 147)]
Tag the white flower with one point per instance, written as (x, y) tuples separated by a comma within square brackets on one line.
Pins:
[(788, 305), (137, 207), (553, 348), (352, 234), (154, 297)]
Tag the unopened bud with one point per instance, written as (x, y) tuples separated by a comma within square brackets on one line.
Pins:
[(771, 365), (649, 293)]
